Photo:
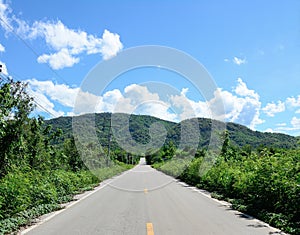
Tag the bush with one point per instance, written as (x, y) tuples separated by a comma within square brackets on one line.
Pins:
[(265, 185), (14, 193)]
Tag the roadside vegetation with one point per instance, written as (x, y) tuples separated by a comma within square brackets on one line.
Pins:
[(262, 182), (40, 168)]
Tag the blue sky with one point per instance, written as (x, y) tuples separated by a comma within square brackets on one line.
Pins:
[(251, 49)]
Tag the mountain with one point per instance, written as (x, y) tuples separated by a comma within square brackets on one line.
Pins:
[(139, 130)]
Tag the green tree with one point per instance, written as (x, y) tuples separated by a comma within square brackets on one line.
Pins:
[(15, 107), (74, 160), (226, 145)]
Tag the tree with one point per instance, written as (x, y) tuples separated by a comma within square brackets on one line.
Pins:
[(225, 145), (15, 107), (74, 160)]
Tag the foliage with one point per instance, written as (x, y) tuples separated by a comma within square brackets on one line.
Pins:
[(240, 136), (15, 106), (22, 218), (264, 183)]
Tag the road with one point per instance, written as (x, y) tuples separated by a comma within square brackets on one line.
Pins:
[(144, 201)]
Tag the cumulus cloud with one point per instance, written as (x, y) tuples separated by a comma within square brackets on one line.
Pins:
[(295, 123), (62, 93), (58, 36), (186, 108), (293, 102), (44, 105), (238, 61), (66, 44), (134, 99), (5, 21), (241, 106), (2, 48), (59, 60), (139, 100), (110, 45), (271, 108), (242, 90)]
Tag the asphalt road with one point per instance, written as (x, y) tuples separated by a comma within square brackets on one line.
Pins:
[(145, 201)]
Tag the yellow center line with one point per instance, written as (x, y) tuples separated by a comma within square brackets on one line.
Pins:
[(149, 229), (145, 190)]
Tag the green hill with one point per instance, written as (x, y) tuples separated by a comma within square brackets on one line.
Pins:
[(139, 130)]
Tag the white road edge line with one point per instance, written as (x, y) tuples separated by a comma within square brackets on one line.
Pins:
[(102, 185), (224, 203)]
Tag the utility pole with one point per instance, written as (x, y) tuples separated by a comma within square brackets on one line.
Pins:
[(109, 141), (109, 137)]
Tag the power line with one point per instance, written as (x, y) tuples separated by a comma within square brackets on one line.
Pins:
[(31, 49), (4, 77), (35, 99), (36, 54)]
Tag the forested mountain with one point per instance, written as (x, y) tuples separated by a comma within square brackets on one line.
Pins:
[(139, 129)]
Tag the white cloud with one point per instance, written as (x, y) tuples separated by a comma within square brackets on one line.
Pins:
[(238, 61), (62, 93), (140, 94), (281, 124), (5, 21), (270, 130), (2, 48), (44, 104), (271, 108), (45, 93), (136, 99), (58, 36), (66, 44), (69, 43), (242, 90), (184, 91), (108, 101), (59, 60), (139, 100), (231, 103), (241, 107), (293, 102), (110, 45), (283, 128), (295, 123), (247, 105), (186, 108)]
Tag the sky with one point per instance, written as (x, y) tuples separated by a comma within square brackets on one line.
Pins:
[(251, 49)]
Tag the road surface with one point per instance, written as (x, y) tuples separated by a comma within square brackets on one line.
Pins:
[(144, 201)]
